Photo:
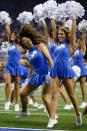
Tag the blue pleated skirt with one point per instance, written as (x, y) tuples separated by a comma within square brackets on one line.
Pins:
[(62, 69), (14, 69), (37, 80)]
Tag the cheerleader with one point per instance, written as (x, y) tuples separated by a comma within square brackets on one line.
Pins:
[(12, 70), (62, 70), (25, 73), (78, 60), (38, 57), (51, 37)]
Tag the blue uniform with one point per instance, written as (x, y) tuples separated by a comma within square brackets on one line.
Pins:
[(13, 65), (62, 67), (40, 67), (52, 48), (25, 70), (79, 61), (25, 73)]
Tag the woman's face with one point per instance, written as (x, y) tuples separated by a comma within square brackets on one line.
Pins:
[(61, 35), (26, 42)]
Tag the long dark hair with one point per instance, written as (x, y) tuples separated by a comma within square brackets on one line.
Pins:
[(30, 32)]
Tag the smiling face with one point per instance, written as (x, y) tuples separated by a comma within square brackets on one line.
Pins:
[(61, 35)]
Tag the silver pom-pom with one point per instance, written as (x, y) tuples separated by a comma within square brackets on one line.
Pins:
[(82, 26), (4, 18), (50, 8), (77, 72), (5, 46), (74, 9), (68, 23), (60, 14), (25, 17), (38, 12)]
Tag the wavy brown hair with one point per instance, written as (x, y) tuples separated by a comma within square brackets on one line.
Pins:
[(31, 32), (67, 32)]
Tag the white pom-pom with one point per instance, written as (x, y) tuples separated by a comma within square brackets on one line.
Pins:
[(38, 12), (77, 72), (83, 26), (50, 8), (74, 9), (5, 46), (60, 14), (25, 17), (68, 23), (4, 18)]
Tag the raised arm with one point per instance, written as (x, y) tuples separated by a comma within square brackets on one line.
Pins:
[(83, 45), (8, 31), (54, 29), (45, 28), (73, 33)]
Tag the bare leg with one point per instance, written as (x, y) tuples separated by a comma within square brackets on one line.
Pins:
[(7, 78), (62, 92), (69, 88), (54, 88), (24, 96), (55, 85), (17, 89), (83, 87), (46, 96), (12, 96)]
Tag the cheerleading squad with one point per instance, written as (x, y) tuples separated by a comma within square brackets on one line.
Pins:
[(52, 60)]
